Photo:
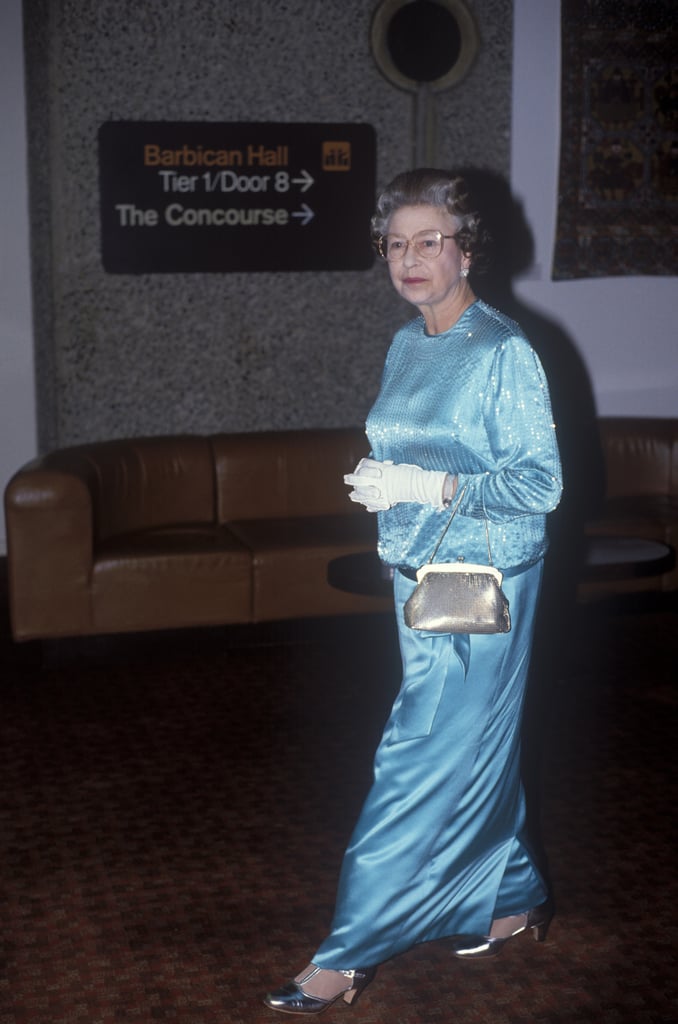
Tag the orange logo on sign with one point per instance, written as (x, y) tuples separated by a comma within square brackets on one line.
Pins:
[(336, 156)]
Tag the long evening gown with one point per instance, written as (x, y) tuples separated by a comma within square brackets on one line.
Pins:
[(440, 848)]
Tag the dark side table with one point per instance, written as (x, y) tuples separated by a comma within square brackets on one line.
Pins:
[(361, 573), (612, 558)]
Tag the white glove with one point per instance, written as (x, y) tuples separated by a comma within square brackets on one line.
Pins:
[(381, 485)]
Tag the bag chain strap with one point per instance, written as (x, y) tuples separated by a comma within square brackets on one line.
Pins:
[(449, 523)]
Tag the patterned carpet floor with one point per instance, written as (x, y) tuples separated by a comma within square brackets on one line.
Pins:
[(174, 808)]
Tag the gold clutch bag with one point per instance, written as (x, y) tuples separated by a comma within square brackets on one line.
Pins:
[(456, 597)]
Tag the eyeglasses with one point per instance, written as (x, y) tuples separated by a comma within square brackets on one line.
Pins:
[(427, 244)]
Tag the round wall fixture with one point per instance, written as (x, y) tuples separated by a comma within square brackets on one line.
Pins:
[(423, 41)]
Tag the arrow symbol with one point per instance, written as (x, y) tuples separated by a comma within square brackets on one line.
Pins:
[(306, 181), (306, 214)]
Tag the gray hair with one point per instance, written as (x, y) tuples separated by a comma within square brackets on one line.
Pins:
[(429, 187)]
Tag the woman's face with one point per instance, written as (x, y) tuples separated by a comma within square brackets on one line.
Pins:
[(428, 282)]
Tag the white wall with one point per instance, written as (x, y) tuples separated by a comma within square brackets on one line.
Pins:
[(625, 328), (17, 397)]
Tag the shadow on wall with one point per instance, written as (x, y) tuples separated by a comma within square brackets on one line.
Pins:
[(572, 398), (574, 414)]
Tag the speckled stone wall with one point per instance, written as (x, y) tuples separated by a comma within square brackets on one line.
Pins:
[(121, 355)]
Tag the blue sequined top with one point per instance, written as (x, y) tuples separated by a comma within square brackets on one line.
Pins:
[(473, 401)]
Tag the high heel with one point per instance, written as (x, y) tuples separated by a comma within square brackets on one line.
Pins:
[(291, 998), (478, 947)]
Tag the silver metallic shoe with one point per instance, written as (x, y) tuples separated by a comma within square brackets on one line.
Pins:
[(291, 998), (479, 947)]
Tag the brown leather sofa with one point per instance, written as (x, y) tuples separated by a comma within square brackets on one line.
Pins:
[(163, 532), (167, 532)]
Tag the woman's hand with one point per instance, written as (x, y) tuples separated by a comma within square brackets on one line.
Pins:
[(381, 485)]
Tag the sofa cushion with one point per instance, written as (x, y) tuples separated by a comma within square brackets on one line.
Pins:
[(290, 558), (654, 517), (185, 575)]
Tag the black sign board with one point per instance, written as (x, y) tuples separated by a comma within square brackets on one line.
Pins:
[(182, 197)]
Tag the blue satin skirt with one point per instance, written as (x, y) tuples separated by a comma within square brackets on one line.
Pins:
[(439, 847)]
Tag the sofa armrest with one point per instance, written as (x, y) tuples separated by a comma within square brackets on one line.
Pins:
[(49, 518)]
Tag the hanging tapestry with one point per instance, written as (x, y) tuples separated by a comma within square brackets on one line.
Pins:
[(618, 189)]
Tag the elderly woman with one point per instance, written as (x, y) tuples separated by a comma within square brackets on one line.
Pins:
[(463, 415)]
